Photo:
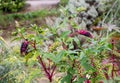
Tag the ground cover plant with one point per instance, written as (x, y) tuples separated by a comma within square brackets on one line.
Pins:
[(11, 5)]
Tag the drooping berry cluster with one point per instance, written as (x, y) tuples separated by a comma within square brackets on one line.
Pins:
[(81, 32), (24, 46)]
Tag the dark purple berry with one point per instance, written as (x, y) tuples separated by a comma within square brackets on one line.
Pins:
[(24, 46)]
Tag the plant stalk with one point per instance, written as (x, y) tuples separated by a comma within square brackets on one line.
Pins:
[(112, 74)]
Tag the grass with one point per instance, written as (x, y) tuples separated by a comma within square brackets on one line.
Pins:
[(63, 2), (8, 19), (31, 15), (7, 22)]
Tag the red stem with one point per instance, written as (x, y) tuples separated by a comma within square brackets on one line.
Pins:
[(48, 73), (118, 51), (92, 62), (73, 65), (106, 75), (44, 68), (49, 65), (72, 79), (87, 81), (53, 71), (113, 58)]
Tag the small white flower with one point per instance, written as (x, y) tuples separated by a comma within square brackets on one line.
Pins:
[(88, 76), (111, 27)]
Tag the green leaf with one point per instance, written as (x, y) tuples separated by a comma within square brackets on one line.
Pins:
[(33, 74), (32, 58), (17, 38), (21, 30), (77, 41), (38, 39), (69, 52), (72, 57), (82, 55), (71, 71), (60, 56), (28, 56), (55, 58), (50, 56), (14, 33), (65, 34), (85, 64), (80, 9), (30, 36), (117, 78), (66, 79), (80, 80)]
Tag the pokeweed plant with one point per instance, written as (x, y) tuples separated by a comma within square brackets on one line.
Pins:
[(82, 56), (36, 50), (81, 60)]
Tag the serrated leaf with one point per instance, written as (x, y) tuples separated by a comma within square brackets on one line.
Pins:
[(30, 36), (49, 56), (65, 34), (59, 56), (66, 79), (85, 64), (55, 58), (71, 71), (21, 30), (82, 55), (16, 39)]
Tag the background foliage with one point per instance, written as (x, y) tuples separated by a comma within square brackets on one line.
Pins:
[(11, 5)]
